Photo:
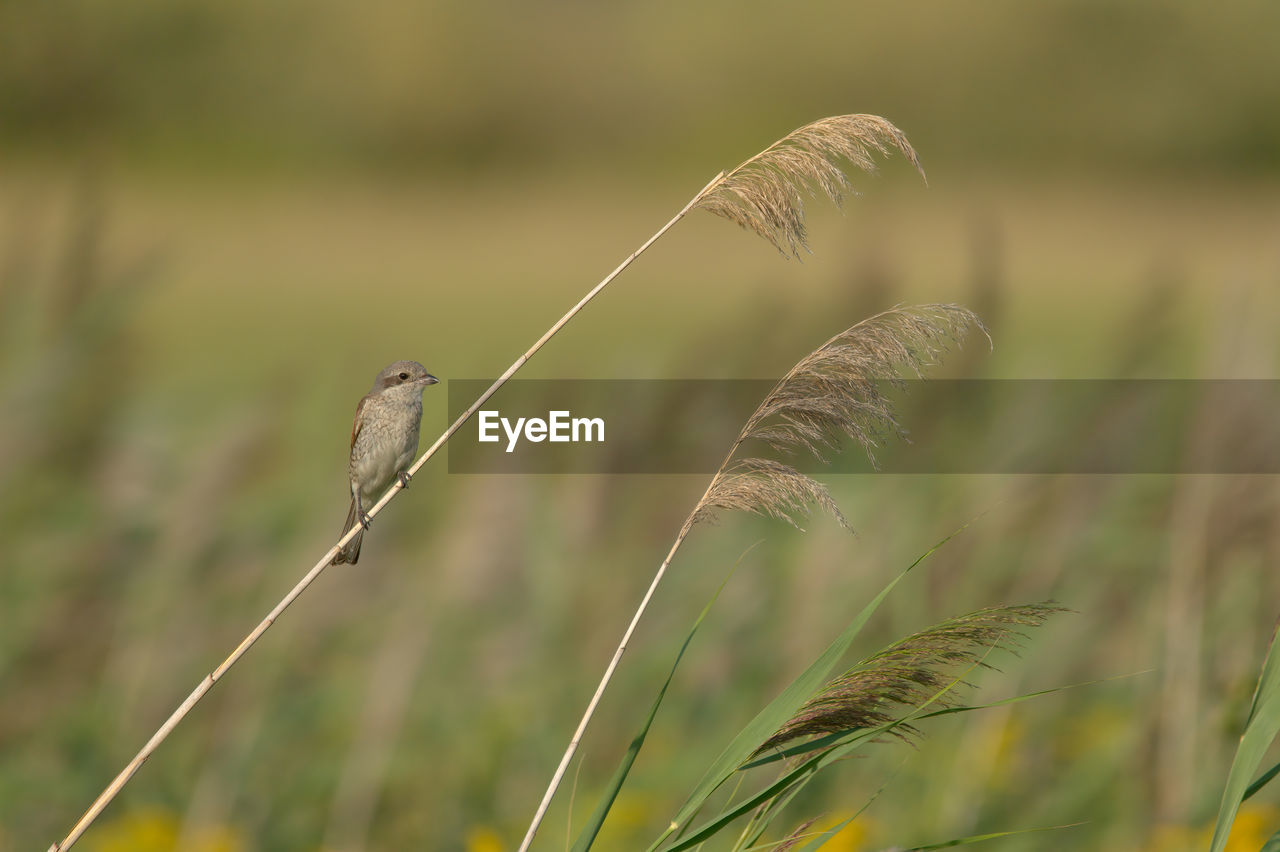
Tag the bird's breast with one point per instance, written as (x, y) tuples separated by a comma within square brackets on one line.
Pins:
[(385, 445)]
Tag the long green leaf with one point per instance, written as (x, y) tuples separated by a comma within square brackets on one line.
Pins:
[(763, 818), (782, 708), (1259, 732), (592, 828), (979, 838), (1263, 780), (712, 827), (780, 802)]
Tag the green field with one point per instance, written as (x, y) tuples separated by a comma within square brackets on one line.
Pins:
[(192, 303)]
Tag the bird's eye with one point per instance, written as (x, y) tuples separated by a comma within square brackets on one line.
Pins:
[(404, 377)]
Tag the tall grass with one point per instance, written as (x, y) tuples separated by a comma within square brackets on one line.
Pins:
[(107, 533), (1260, 731)]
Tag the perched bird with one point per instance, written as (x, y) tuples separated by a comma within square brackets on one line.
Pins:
[(384, 440)]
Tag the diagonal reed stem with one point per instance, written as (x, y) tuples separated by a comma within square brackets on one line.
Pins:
[(213, 677), (576, 739)]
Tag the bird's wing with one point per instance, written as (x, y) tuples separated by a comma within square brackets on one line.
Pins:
[(358, 423)]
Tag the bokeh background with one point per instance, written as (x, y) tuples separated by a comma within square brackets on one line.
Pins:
[(221, 219)]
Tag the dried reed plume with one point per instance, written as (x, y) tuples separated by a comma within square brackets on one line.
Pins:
[(766, 487), (764, 193), (909, 673), (838, 390)]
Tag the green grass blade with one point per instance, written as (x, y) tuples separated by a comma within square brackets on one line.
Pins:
[(763, 818), (1259, 732), (979, 838), (1263, 780), (1272, 845), (822, 839), (592, 828), (815, 744), (782, 708), (713, 826), (1026, 696)]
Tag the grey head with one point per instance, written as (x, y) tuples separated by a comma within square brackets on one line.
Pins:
[(403, 373)]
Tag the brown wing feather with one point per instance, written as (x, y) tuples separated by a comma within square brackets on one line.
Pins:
[(358, 423)]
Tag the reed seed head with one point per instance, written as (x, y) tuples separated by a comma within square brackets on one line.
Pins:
[(840, 389), (765, 194), (909, 673)]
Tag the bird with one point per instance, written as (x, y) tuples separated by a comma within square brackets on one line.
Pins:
[(384, 440)]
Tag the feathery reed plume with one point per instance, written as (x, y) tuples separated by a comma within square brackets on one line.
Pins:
[(764, 193), (831, 392), (763, 204), (837, 390), (908, 673), (767, 487)]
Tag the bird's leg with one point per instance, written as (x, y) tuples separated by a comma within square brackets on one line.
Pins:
[(404, 478), (365, 520)]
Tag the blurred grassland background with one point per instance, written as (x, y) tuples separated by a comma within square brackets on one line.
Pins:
[(218, 220)]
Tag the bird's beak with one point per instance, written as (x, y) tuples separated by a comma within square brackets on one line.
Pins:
[(429, 379)]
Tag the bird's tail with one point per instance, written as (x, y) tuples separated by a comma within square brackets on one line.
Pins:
[(350, 554)]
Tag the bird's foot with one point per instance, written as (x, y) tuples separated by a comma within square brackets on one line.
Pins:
[(404, 478), (365, 520)]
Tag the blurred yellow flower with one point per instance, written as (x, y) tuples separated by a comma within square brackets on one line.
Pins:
[(1095, 729), (1174, 838), (854, 837), (157, 830), (632, 809), (483, 839), (1254, 825), (995, 743)]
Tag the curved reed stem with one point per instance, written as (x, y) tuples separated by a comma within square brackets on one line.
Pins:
[(213, 677), (578, 732)]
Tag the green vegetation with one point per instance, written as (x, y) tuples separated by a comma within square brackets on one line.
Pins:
[(218, 219), (1149, 86)]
